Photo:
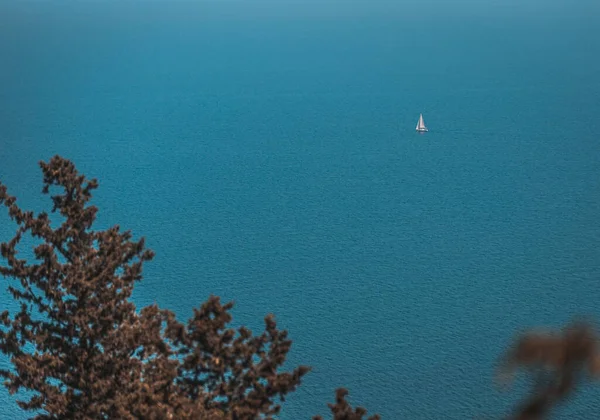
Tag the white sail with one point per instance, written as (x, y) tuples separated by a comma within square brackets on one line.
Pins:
[(421, 124)]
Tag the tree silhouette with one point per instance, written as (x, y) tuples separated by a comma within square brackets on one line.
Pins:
[(82, 350), (342, 410)]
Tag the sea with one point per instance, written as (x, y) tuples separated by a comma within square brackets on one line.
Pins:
[(267, 152)]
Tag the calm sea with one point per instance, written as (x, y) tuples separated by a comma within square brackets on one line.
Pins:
[(267, 152)]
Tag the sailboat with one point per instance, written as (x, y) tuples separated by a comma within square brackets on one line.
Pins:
[(421, 128)]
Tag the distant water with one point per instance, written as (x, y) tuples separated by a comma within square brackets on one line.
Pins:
[(273, 161)]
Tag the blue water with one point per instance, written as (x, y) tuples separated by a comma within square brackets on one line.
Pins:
[(267, 153)]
